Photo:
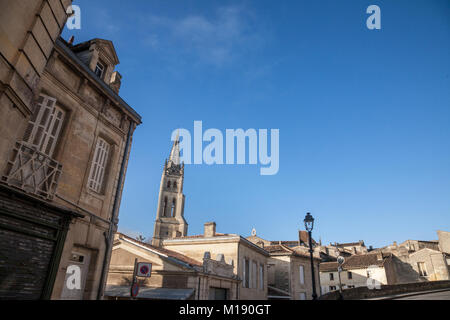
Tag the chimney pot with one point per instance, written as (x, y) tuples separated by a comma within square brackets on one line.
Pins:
[(380, 255)]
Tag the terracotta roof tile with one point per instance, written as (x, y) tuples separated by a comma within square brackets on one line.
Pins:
[(283, 250), (361, 261)]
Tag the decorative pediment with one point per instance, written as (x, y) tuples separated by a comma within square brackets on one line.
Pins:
[(107, 48)]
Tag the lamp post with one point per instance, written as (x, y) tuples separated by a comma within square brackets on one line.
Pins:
[(340, 261), (309, 225)]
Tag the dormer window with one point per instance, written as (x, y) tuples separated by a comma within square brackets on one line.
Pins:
[(99, 69)]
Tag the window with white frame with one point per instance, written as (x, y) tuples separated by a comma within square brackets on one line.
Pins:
[(302, 274), (98, 167), (45, 125), (99, 69)]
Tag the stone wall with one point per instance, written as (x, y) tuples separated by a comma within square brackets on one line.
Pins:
[(444, 241), (366, 293)]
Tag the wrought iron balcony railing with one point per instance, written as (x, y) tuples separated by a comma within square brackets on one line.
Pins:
[(32, 171)]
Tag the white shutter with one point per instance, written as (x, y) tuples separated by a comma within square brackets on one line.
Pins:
[(98, 166), (302, 275), (254, 275), (45, 125), (249, 276)]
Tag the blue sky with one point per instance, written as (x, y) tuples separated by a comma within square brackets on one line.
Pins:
[(364, 115)]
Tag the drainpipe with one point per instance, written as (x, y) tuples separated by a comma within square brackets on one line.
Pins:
[(109, 237)]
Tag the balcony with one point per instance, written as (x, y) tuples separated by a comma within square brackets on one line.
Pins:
[(32, 171)]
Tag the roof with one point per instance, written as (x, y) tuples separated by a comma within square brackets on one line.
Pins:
[(328, 266), (86, 44), (278, 248), (198, 236), (169, 253), (302, 236), (62, 44), (361, 261), (350, 244), (424, 249), (218, 237), (282, 250), (285, 243), (149, 293)]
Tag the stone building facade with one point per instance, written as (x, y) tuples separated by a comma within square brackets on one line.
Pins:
[(444, 241), (429, 265), (240, 267), (418, 260), (30, 229), (173, 275), (358, 271), (95, 147), (65, 138), (289, 273), (249, 260), (289, 267)]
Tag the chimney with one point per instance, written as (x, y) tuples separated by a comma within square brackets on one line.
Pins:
[(210, 229), (116, 81), (380, 256)]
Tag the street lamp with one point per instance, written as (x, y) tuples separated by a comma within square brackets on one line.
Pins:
[(309, 225)]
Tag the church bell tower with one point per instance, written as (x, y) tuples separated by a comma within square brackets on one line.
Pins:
[(170, 222)]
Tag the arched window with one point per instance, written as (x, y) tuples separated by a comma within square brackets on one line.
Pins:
[(175, 185), (168, 184), (164, 213), (172, 214)]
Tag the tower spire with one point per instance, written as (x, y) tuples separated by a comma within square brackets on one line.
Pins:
[(170, 222), (175, 152)]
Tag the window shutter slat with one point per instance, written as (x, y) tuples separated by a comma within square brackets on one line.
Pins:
[(98, 167), (42, 124)]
